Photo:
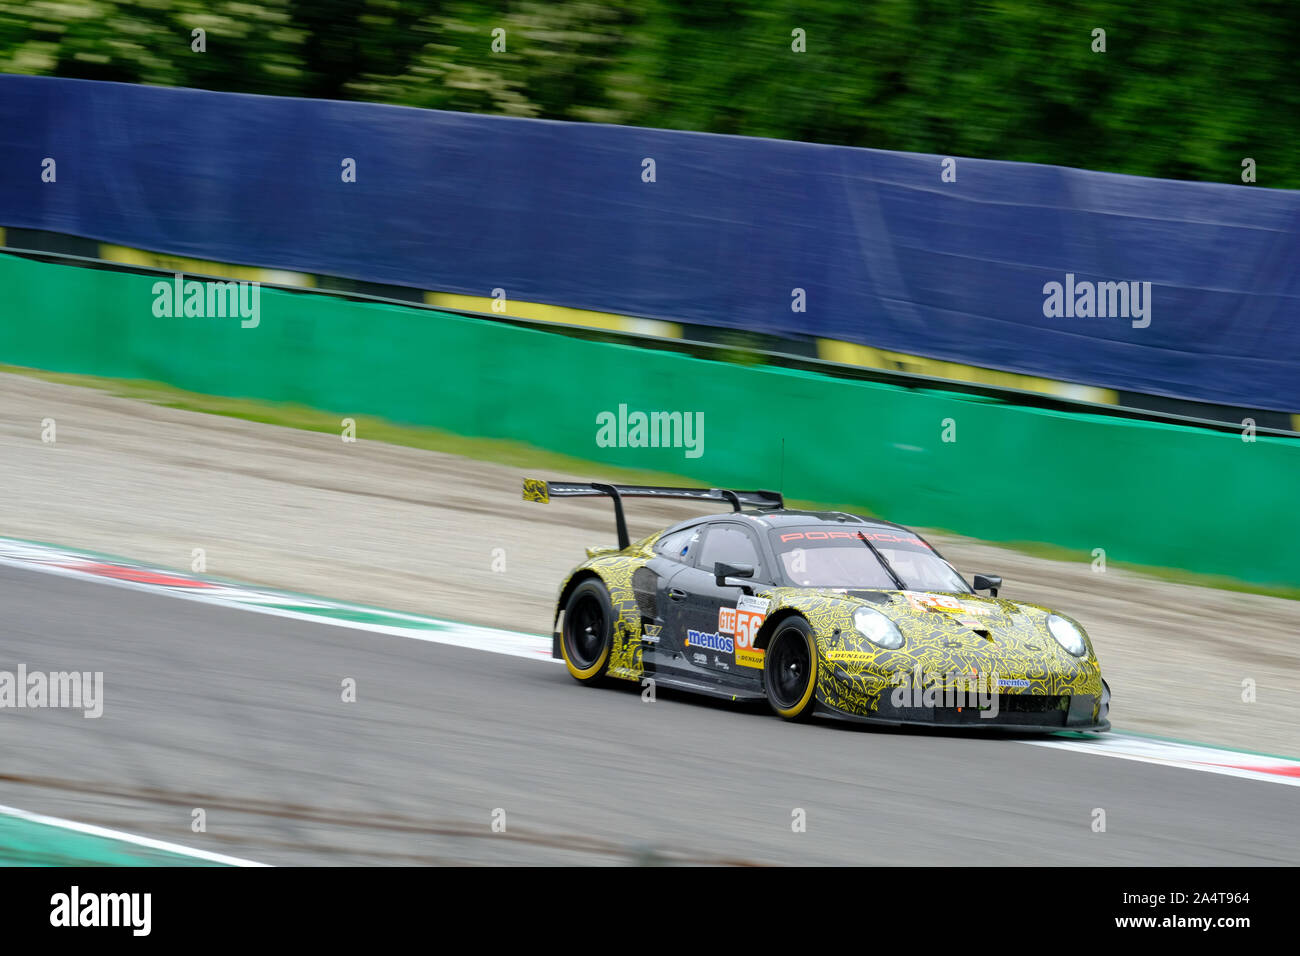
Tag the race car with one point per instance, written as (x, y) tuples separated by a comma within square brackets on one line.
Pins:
[(818, 613)]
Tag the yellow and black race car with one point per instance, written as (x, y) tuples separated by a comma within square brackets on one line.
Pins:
[(818, 612)]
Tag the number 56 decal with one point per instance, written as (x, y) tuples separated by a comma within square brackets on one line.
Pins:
[(744, 619)]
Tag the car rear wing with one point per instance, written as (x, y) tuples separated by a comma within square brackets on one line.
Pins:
[(535, 489)]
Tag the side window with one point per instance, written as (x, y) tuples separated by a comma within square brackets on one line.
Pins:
[(680, 545), (731, 544)]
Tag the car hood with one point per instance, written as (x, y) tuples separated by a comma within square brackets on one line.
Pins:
[(967, 618), (904, 605), (949, 618)]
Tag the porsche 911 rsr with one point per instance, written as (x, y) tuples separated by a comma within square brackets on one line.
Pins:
[(817, 612)]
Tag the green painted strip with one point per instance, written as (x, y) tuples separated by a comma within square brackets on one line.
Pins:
[(27, 843), (361, 615)]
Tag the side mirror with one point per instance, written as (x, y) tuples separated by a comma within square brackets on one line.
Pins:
[(988, 582), (722, 571)]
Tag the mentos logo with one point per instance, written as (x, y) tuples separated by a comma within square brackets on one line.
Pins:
[(714, 642)]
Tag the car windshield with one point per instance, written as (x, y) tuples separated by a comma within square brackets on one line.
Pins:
[(824, 558)]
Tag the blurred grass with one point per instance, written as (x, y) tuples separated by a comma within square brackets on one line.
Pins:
[(530, 458)]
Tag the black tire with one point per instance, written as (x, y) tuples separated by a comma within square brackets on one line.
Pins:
[(790, 670), (587, 639)]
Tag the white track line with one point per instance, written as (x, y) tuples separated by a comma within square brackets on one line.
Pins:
[(414, 627), (1186, 756), (122, 837)]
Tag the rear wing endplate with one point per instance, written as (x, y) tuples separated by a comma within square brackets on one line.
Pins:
[(535, 489)]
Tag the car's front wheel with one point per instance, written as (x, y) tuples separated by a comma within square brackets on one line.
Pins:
[(790, 669), (588, 634)]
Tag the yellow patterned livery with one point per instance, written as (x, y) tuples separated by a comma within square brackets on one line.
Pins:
[(818, 613)]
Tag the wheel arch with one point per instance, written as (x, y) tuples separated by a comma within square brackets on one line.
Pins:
[(774, 621), (571, 585)]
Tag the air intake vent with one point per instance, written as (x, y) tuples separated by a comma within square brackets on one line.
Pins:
[(644, 583)]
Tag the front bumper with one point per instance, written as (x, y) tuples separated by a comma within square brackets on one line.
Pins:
[(1018, 713)]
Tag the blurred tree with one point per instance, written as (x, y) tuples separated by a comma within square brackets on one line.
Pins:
[(250, 47), (1182, 90)]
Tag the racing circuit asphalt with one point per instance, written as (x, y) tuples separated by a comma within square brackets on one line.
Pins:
[(241, 714)]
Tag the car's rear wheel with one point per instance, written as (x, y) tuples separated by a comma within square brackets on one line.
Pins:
[(790, 670), (588, 634)]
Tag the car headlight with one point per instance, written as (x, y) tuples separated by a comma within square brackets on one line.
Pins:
[(877, 628), (1067, 635)]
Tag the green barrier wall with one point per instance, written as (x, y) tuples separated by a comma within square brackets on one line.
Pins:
[(1146, 493)]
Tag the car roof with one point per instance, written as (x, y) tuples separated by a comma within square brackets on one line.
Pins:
[(787, 517)]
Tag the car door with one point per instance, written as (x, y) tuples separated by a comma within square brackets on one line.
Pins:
[(702, 631), (661, 602)]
